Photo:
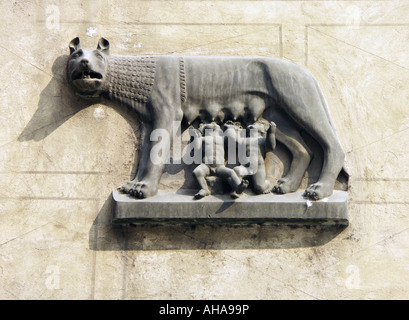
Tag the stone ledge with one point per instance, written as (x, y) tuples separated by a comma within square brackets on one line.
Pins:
[(180, 207)]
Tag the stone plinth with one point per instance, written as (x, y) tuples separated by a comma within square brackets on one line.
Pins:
[(181, 207)]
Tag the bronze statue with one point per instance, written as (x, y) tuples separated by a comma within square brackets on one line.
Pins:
[(162, 89)]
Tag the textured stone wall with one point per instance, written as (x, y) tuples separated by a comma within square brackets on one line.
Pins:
[(60, 157)]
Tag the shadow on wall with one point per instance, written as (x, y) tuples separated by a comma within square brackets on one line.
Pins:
[(58, 103), (104, 236)]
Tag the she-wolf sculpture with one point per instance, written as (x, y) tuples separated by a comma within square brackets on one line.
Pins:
[(165, 88)]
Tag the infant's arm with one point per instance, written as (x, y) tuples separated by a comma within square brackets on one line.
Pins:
[(271, 136)]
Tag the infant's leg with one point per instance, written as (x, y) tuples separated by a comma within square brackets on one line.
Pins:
[(260, 184), (201, 172), (241, 171), (238, 185), (230, 175)]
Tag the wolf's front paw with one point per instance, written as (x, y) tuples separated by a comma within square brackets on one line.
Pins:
[(127, 187), (145, 190)]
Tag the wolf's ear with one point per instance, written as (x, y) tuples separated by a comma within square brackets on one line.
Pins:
[(74, 45), (103, 45)]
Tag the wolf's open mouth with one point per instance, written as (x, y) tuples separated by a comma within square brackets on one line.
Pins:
[(86, 75)]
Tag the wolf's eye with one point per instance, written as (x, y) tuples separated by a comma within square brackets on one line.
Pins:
[(77, 54), (99, 56)]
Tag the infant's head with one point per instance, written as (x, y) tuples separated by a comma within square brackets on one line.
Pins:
[(211, 128), (261, 126)]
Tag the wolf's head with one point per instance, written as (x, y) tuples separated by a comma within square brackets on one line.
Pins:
[(87, 69)]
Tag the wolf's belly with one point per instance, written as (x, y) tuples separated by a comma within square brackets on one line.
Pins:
[(221, 89)]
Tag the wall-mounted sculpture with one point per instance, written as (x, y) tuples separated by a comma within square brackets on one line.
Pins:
[(219, 90)]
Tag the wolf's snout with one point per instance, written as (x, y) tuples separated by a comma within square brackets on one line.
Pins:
[(84, 63)]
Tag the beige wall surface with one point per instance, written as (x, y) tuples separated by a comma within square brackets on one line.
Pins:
[(61, 157)]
